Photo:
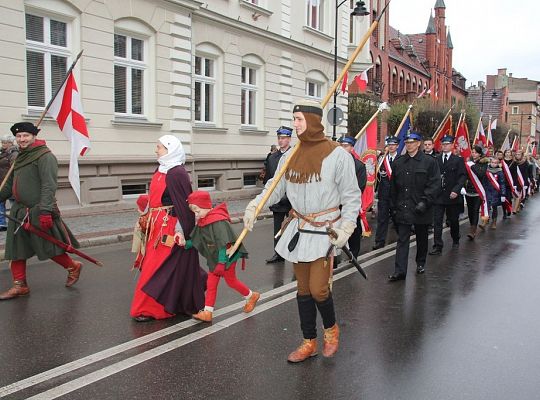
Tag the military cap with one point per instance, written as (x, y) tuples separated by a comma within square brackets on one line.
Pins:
[(347, 139), (447, 139), (412, 136), (24, 127), (308, 106), (284, 131), (391, 140)]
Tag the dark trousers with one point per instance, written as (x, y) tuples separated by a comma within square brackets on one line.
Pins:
[(403, 242), (278, 220), (494, 213), (356, 237), (452, 215), (383, 217), (473, 207)]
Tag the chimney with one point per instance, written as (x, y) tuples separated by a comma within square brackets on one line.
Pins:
[(501, 71)]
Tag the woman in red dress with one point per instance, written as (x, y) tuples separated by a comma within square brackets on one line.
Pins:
[(171, 280)]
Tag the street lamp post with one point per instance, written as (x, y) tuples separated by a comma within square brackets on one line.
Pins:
[(359, 10), (521, 125)]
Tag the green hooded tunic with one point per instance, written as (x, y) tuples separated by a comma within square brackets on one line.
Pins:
[(33, 185)]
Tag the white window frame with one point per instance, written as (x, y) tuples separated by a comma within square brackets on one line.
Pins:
[(515, 110), (248, 114), (205, 80), (49, 50), (317, 86), (131, 64), (315, 10)]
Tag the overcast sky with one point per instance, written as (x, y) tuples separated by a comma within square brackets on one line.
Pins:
[(486, 34)]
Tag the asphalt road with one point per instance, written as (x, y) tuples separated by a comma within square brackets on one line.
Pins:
[(466, 329)]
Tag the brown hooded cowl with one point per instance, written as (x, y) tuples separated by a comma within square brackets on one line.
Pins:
[(306, 163)]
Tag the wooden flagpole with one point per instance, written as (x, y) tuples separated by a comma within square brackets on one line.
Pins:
[(442, 123), (277, 177)]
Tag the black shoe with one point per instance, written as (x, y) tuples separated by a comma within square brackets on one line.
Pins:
[(455, 245), (396, 277), (143, 318), (3, 228), (276, 258), (420, 269), (435, 252), (378, 246)]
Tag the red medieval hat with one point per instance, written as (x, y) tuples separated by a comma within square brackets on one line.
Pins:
[(200, 198)]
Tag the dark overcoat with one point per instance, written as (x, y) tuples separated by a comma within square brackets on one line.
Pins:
[(414, 180), (453, 177)]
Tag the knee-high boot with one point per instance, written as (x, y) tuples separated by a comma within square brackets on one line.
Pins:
[(308, 323), (331, 330)]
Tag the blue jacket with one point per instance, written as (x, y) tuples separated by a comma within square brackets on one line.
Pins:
[(492, 195)]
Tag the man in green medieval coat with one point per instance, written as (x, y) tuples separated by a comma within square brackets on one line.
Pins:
[(33, 185)]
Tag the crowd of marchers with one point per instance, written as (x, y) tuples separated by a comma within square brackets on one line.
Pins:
[(314, 190)]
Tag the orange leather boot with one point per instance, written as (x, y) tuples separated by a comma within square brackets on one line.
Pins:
[(307, 349), (331, 341), (203, 315), (73, 273), (252, 302), (19, 288)]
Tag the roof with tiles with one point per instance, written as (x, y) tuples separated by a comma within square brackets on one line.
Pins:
[(408, 49)]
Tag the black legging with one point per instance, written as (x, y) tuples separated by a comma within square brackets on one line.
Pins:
[(473, 207)]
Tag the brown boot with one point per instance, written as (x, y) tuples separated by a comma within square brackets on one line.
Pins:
[(73, 273), (307, 349), (493, 225), (20, 288), (482, 224), (251, 302), (331, 341), (472, 232), (203, 315)]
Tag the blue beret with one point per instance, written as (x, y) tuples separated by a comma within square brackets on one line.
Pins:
[(412, 136), (284, 131), (447, 139), (347, 139), (391, 140)]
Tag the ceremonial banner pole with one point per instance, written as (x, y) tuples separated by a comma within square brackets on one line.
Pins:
[(404, 118), (442, 122), (382, 107), (277, 177), (44, 112), (477, 130)]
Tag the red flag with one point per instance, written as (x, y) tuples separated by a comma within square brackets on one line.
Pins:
[(366, 147), (462, 141), (515, 144), (534, 150), (67, 110), (481, 135), (446, 129), (344, 82)]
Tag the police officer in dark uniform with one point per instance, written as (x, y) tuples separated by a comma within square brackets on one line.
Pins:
[(415, 184), (383, 193), (281, 208), (450, 199), (348, 142)]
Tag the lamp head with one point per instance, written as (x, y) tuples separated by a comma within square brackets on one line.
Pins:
[(360, 9)]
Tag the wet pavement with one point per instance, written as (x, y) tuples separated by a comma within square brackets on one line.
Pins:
[(466, 329)]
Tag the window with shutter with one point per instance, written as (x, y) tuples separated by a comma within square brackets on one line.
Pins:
[(129, 75), (47, 56)]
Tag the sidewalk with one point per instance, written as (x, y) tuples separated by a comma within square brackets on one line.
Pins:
[(112, 227)]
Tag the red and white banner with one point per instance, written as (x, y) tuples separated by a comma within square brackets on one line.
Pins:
[(67, 110), (508, 177), (493, 181), (387, 167), (462, 141), (480, 135), (344, 83), (366, 147), (521, 183), (484, 212), (446, 129)]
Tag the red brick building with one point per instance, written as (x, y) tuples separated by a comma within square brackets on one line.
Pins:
[(406, 65)]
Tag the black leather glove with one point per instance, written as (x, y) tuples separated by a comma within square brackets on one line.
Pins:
[(420, 208)]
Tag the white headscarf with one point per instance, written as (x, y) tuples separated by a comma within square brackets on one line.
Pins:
[(175, 153)]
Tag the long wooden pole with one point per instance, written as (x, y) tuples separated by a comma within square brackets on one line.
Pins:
[(277, 177), (442, 122), (44, 112), (364, 128), (403, 119)]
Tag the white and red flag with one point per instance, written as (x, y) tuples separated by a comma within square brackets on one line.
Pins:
[(67, 110), (506, 143), (461, 141), (446, 129), (515, 144), (366, 148), (479, 188), (480, 135), (362, 80)]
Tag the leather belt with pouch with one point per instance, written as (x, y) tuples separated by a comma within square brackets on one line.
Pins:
[(308, 219)]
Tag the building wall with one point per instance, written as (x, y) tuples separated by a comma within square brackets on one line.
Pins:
[(274, 35)]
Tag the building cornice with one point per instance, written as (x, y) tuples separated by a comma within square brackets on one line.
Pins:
[(204, 13), (191, 5)]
